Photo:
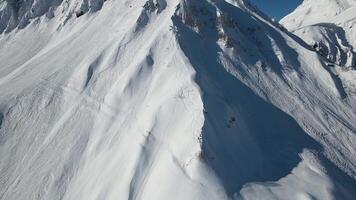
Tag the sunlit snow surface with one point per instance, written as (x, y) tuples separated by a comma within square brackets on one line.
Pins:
[(179, 99), (330, 25)]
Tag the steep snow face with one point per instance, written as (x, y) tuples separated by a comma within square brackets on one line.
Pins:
[(19, 13), (331, 42), (105, 109), (329, 26), (180, 99)]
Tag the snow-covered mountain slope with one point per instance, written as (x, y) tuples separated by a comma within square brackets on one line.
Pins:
[(312, 12), (329, 26), (179, 99)]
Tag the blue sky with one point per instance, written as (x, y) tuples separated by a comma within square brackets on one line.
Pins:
[(276, 8)]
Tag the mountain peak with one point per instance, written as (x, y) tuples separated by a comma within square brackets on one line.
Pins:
[(315, 11), (168, 99), (329, 27)]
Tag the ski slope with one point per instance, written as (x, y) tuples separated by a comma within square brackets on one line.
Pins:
[(178, 99)]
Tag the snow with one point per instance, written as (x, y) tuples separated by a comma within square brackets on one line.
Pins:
[(333, 27), (332, 31), (180, 99), (314, 12)]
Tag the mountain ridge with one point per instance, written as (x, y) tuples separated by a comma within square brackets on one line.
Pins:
[(170, 100)]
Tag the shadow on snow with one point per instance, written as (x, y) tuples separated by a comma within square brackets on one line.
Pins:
[(244, 138)]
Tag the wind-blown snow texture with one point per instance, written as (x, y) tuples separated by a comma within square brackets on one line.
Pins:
[(179, 99)]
